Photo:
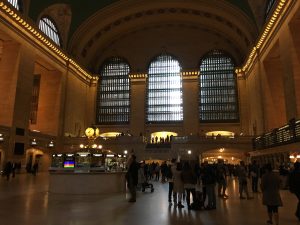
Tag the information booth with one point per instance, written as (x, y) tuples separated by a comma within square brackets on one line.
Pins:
[(87, 172)]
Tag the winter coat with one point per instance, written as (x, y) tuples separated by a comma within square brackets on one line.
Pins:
[(188, 177), (132, 173), (178, 183), (294, 181), (270, 186)]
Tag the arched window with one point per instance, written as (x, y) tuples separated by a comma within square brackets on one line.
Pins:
[(48, 27), (164, 90), (269, 6), (17, 4), (218, 90), (113, 98)]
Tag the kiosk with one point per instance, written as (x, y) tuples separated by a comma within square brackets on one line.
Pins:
[(87, 172)]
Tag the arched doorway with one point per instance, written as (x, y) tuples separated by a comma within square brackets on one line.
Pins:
[(36, 156), (228, 155), (162, 136)]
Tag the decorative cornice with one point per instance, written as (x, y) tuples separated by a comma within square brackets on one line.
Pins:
[(15, 19), (270, 27), (141, 76), (190, 75)]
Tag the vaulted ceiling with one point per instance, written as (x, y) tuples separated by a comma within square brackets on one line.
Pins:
[(94, 30)]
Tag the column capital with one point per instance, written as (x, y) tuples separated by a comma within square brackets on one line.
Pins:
[(240, 74), (190, 74), (138, 77)]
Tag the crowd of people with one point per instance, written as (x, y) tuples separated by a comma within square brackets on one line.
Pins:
[(199, 185), (161, 140)]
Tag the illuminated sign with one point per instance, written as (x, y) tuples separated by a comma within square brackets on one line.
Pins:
[(69, 164)]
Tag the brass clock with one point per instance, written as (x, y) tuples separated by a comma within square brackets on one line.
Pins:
[(89, 132)]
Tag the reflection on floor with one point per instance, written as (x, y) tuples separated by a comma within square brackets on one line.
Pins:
[(25, 200)]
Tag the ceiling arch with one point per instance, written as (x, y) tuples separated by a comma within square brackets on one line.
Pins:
[(225, 25), (83, 10)]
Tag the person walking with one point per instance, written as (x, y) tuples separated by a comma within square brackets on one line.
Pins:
[(243, 184), (132, 177), (142, 181), (7, 170), (221, 179), (270, 186), (254, 173), (294, 184), (178, 188), (169, 175)]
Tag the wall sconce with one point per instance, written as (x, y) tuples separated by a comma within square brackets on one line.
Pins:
[(33, 142), (1, 138), (50, 144)]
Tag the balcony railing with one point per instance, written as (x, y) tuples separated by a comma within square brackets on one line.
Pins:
[(287, 134)]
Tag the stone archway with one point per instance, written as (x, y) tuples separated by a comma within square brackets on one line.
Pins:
[(34, 155), (229, 155)]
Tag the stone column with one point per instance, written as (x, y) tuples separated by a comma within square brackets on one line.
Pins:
[(290, 65), (243, 104), (137, 103), (190, 91), (17, 66)]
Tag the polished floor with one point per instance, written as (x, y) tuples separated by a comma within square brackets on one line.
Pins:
[(25, 200)]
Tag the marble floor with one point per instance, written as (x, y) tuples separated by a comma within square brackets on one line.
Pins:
[(25, 200)]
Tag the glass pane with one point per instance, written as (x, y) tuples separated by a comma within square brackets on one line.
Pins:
[(48, 28), (164, 91), (15, 3), (269, 6), (218, 91), (113, 98)]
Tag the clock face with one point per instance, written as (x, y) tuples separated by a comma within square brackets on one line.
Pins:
[(89, 132)]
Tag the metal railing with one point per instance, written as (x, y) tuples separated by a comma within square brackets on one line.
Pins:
[(287, 134)]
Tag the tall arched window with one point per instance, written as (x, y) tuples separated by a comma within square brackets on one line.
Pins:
[(113, 98), (218, 89), (48, 27), (269, 6), (17, 4), (164, 90)]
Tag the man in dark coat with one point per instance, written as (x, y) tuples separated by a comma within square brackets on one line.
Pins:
[(7, 170), (132, 177), (294, 183)]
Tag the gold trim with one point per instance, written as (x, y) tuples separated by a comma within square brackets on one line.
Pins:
[(41, 39), (138, 76), (265, 35)]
